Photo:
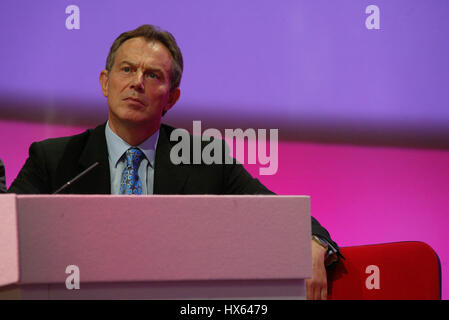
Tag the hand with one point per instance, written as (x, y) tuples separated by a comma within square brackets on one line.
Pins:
[(316, 287)]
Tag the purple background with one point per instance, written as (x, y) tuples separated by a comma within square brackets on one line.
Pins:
[(309, 68)]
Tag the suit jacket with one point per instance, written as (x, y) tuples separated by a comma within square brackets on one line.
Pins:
[(53, 162)]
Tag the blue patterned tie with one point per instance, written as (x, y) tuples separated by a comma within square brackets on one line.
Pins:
[(131, 183)]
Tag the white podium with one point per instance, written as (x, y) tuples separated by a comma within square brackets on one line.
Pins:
[(154, 247)]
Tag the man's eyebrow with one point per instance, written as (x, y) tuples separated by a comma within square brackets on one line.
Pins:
[(154, 69), (127, 62)]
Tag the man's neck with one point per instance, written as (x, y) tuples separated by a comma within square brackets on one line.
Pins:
[(133, 134)]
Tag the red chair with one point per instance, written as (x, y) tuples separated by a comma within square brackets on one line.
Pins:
[(399, 270)]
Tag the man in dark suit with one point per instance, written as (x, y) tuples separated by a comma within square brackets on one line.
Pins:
[(141, 83)]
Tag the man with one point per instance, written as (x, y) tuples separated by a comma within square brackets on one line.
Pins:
[(141, 83)]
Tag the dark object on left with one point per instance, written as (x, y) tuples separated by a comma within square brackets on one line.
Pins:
[(2, 177)]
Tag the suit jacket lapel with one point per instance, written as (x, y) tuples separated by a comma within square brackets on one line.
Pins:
[(168, 178), (97, 181)]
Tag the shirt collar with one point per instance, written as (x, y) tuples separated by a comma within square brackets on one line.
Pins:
[(117, 146)]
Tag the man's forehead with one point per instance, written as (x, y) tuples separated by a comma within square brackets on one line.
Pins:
[(140, 50)]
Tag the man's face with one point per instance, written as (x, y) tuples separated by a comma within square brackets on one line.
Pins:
[(138, 86)]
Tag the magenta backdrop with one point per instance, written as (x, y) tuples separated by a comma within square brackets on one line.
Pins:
[(363, 195)]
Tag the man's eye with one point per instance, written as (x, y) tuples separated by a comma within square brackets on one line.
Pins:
[(126, 69), (152, 75)]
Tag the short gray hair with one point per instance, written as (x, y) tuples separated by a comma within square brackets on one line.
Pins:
[(152, 33)]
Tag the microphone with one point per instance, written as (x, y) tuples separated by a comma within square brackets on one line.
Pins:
[(69, 183)]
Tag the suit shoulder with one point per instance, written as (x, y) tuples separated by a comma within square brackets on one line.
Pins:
[(167, 129), (60, 143)]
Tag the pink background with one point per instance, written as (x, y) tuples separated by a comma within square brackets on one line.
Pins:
[(361, 194)]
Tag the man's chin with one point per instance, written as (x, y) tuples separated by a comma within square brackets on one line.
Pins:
[(134, 118)]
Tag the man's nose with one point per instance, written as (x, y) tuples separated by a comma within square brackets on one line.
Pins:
[(138, 81)]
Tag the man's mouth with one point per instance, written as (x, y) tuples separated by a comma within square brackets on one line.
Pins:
[(135, 101)]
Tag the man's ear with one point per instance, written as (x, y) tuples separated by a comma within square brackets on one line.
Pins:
[(172, 99), (104, 82)]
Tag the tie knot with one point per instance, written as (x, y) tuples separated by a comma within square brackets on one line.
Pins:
[(133, 157)]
